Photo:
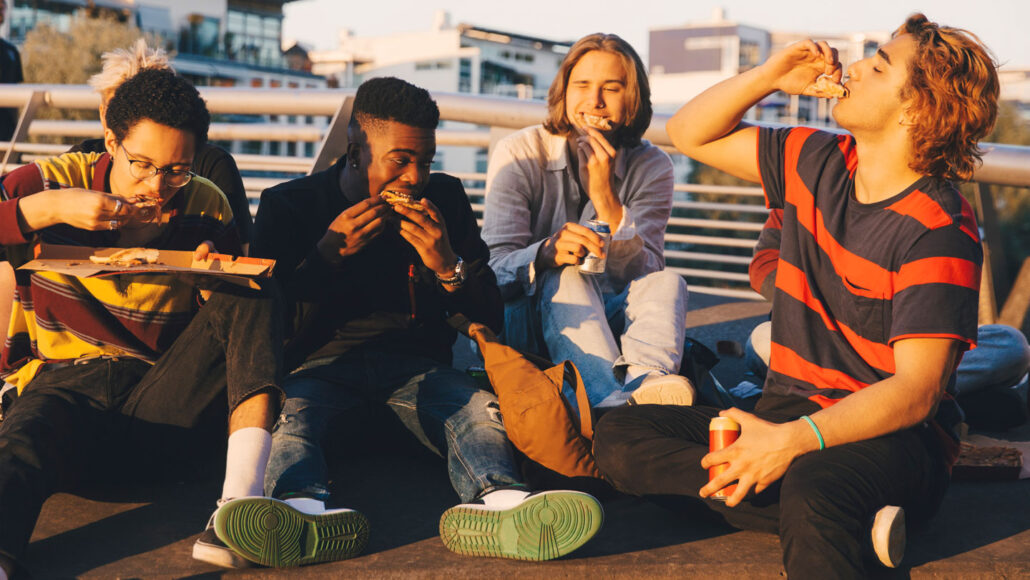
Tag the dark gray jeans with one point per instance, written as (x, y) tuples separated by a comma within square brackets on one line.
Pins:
[(821, 508), (72, 420)]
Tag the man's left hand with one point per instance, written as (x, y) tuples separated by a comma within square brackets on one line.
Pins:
[(596, 167), (205, 249), (427, 233), (758, 458)]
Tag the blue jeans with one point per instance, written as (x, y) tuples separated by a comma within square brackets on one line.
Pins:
[(570, 318), (440, 405)]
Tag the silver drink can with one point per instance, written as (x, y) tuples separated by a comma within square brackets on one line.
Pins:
[(594, 264)]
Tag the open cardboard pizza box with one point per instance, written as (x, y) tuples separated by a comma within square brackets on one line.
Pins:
[(74, 261)]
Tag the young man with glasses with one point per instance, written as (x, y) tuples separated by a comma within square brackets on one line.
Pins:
[(129, 373)]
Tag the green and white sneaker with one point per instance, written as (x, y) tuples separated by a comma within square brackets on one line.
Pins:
[(288, 533), (510, 523)]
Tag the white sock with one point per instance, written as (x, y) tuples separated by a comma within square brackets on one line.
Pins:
[(245, 462), (3, 575), (307, 505), (634, 372), (504, 498)]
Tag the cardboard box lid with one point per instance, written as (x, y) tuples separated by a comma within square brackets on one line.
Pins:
[(74, 261)]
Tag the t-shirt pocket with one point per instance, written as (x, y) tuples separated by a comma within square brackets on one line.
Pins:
[(869, 312)]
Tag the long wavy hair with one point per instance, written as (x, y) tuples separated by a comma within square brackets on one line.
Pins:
[(953, 94), (637, 95)]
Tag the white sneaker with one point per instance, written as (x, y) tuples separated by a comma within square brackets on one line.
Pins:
[(511, 523), (288, 533), (658, 389), (888, 535)]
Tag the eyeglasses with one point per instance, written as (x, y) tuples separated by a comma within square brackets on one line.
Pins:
[(143, 171)]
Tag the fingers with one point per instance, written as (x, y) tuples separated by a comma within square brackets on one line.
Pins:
[(206, 248), (573, 242), (598, 142)]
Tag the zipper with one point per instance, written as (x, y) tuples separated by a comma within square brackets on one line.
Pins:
[(411, 289)]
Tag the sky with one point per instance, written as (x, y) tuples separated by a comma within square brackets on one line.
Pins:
[(1002, 24)]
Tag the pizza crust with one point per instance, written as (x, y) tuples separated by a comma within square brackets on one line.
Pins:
[(594, 122), (128, 257), (402, 199), (826, 88)]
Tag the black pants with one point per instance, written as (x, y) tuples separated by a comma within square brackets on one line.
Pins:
[(821, 508), (74, 421)]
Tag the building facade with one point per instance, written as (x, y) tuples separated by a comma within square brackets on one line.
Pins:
[(447, 58), (228, 43)]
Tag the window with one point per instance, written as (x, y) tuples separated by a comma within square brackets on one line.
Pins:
[(254, 37), (465, 75)]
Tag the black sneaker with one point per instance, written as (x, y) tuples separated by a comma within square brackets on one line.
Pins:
[(515, 524), (888, 535), (208, 548), (290, 533)]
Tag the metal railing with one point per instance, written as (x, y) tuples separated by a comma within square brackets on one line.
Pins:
[(709, 242)]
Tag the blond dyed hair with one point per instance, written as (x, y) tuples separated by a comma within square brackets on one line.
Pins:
[(122, 64)]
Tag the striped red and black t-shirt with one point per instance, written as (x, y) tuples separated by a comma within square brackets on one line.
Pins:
[(852, 278)]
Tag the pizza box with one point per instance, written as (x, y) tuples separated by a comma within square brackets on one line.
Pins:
[(74, 261)]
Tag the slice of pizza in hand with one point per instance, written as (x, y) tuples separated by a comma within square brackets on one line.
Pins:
[(595, 122), (402, 199), (826, 88), (128, 257), (148, 209)]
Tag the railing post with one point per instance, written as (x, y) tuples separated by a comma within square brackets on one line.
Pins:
[(995, 273), (28, 113), (334, 144)]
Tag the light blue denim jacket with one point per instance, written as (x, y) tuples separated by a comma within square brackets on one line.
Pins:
[(532, 193)]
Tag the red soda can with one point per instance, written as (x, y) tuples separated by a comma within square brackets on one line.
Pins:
[(722, 431)]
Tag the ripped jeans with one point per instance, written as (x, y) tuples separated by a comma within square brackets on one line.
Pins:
[(440, 405)]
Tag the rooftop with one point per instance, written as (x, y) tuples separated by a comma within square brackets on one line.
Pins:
[(147, 531)]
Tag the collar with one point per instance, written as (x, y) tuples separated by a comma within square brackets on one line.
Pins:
[(102, 174), (558, 154)]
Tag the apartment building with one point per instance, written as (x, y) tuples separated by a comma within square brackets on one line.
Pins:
[(460, 58)]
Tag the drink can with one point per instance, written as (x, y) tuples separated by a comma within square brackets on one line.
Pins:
[(594, 264), (722, 431)]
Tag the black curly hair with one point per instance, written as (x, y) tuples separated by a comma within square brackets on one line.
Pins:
[(391, 99), (162, 97)]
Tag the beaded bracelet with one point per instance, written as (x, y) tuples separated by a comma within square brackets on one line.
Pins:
[(811, 423)]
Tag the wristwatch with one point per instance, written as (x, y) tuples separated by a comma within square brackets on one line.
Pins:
[(460, 274)]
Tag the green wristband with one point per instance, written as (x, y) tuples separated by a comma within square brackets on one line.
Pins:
[(811, 423)]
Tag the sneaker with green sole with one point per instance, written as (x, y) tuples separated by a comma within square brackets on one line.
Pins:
[(522, 526), (294, 532)]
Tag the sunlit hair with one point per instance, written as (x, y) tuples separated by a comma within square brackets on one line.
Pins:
[(383, 99), (162, 97), (953, 98), (637, 94), (123, 63)]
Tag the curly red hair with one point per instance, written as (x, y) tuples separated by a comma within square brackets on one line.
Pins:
[(953, 98)]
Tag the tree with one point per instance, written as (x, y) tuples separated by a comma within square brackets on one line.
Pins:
[(50, 56), (1012, 203)]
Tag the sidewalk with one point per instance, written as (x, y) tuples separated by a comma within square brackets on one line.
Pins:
[(131, 531)]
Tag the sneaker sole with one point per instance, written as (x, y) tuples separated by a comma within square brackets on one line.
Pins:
[(541, 528), (888, 536), (271, 533)]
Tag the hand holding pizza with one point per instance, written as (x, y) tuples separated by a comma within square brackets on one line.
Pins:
[(426, 231), (797, 68), (353, 229)]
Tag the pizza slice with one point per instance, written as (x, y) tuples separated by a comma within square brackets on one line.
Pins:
[(128, 257), (826, 88), (402, 199)]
